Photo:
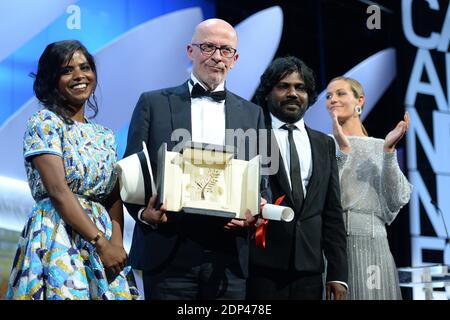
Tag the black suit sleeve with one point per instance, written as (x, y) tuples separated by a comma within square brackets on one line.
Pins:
[(334, 238), (138, 132)]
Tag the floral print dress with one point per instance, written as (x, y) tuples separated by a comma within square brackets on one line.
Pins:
[(52, 260)]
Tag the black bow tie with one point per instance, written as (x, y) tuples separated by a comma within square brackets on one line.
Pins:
[(198, 91)]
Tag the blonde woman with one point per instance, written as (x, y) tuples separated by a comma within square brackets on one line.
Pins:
[(373, 190)]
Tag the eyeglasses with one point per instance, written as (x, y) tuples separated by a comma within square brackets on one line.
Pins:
[(209, 49)]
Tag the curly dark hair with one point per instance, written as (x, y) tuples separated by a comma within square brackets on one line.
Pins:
[(277, 70), (49, 72)]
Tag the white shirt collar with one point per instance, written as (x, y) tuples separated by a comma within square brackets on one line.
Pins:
[(194, 79), (277, 123)]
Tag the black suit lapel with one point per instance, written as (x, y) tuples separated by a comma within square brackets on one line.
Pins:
[(235, 119), (232, 116), (281, 175), (180, 104), (318, 156), (283, 181)]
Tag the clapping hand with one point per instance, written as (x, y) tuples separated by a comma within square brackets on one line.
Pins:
[(397, 134), (338, 133)]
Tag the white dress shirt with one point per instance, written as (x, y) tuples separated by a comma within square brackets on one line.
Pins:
[(207, 117), (302, 145)]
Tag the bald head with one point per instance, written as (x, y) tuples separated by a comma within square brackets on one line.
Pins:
[(210, 66), (213, 26)]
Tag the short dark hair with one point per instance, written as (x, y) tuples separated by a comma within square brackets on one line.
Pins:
[(277, 70), (49, 72)]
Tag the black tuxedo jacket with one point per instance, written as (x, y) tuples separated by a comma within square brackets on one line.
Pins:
[(318, 225), (156, 116)]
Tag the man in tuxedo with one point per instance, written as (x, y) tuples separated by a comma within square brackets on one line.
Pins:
[(188, 256), (289, 263)]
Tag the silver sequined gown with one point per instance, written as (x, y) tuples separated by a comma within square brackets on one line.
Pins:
[(373, 190)]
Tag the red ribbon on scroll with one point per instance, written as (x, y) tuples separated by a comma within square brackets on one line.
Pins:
[(260, 236)]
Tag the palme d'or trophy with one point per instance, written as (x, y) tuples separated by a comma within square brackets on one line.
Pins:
[(206, 179), (202, 179)]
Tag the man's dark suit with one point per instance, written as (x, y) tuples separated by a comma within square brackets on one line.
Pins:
[(156, 116), (318, 224)]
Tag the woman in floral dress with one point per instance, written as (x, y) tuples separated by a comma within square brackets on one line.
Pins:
[(71, 246)]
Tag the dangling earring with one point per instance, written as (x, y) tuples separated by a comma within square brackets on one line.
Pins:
[(358, 109)]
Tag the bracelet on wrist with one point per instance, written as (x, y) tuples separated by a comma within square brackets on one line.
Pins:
[(97, 238)]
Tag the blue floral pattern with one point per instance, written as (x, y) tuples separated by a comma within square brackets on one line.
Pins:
[(53, 261)]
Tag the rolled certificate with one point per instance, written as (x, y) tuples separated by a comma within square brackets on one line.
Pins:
[(279, 213), (136, 178)]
